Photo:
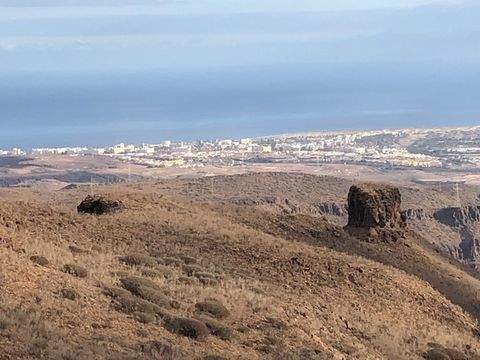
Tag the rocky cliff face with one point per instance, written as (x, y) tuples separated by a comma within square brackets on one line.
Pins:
[(458, 216), (375, 211), (466, 221), (455, 230)]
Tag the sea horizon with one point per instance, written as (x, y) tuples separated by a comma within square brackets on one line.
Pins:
[(64, 109)]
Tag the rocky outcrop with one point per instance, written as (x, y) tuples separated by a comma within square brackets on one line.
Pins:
[(98, 205), (257, 201), (288, 206), (374, 211), (466, 221), (416, 214), (458, 216), (330, 208)]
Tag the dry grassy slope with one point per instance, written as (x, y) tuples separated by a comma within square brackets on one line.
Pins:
[(414, 255), (305, 189), (287, 299)]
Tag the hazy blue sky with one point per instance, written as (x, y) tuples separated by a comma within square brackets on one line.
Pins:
[(77, 35), (106, 69)]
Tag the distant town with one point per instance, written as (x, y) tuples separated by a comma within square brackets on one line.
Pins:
[(449, 148)]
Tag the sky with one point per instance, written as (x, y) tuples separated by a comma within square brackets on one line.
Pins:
[(108, 35), (107, 70)]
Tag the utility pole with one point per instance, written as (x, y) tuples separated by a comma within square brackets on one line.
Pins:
[(458, 195)]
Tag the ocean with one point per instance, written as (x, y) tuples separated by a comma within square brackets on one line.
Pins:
[(97, 109)]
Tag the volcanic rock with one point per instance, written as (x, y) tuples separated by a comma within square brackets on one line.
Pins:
[(374, 211), (416, 214), (458, 216), (331, 208), (98, 205), (466, 221)]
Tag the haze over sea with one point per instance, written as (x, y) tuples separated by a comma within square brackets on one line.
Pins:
[(90, 73)]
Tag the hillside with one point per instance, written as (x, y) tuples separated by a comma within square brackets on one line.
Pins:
[(215, 268)]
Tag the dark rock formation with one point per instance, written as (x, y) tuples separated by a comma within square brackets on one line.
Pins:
[(416, 214), (256, 201), (98, 205), (458, 216), (331, 208), (466, 221), (374, 210)]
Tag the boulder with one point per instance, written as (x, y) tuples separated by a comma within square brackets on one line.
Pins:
[(99, 205)]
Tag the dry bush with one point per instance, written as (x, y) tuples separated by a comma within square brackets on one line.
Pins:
[(191, 328), (139, 260), (75, 270), (27, 328), (216, 328), (213, 308)]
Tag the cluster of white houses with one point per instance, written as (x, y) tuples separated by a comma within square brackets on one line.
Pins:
[(375, 147)]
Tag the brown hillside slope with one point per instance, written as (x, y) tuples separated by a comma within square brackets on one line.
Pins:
[(304, 190), (285, 299), (415, 255)]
